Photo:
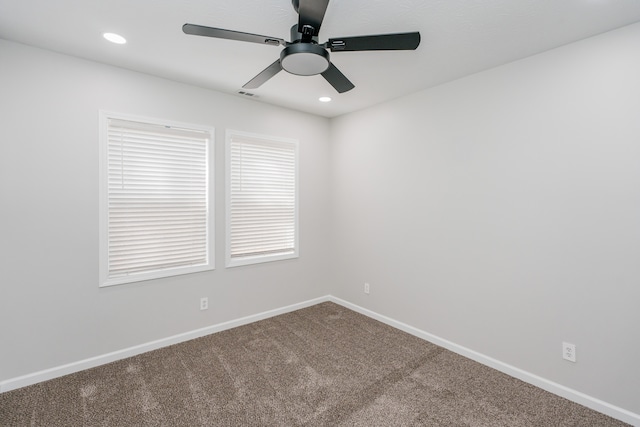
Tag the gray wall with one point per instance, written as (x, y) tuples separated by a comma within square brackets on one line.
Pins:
[(502, 212), (51, 309)]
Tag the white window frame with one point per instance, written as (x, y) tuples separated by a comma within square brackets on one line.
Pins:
[(209, 264), (254, 259)]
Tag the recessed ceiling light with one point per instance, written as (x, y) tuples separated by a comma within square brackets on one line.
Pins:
[(114, 38), (324, 99)]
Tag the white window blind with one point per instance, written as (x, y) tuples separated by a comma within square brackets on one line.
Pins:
[(157, 201), (262, 214)]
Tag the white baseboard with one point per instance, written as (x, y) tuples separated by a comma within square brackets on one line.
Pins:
[(92, 362), (543, 383)]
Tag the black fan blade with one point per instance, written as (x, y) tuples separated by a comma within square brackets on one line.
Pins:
[(311, 13), (264, 75), (400, 41), (199, 30), (337, 79)]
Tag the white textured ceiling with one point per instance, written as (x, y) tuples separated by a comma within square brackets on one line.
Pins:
[(459, 37)]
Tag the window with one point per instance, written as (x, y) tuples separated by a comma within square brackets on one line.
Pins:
[(262, 198), (156, 211)]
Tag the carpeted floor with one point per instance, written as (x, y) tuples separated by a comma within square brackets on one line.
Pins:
[(321, 366)]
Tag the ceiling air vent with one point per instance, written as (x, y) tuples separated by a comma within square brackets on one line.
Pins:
[(247, 94)]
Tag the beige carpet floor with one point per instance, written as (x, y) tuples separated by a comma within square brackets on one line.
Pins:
[(320, 366)]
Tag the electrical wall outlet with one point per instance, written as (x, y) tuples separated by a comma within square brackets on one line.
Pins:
[(204, 303), (569, 351), (366, 288)]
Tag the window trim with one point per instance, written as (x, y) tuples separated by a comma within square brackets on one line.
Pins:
[(257, 259), (104, 280)]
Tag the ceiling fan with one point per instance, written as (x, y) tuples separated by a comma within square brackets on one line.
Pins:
[(304, 56)]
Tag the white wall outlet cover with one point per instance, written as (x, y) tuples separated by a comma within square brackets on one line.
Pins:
[(569, 351)]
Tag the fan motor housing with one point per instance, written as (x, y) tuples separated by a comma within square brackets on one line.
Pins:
[(304, 59)]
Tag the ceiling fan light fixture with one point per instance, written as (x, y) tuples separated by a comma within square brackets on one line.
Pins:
[(303, 55), (304, 59)]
